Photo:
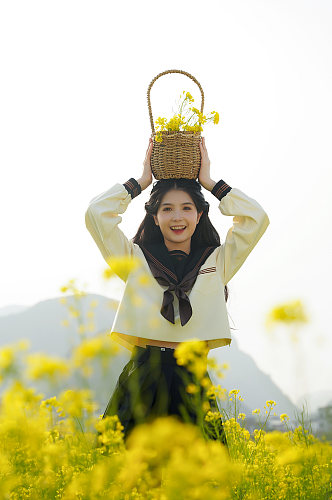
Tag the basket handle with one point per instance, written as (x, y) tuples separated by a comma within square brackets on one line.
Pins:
[(165, 73)]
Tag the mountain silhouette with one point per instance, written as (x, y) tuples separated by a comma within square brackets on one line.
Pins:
[(41, 325)]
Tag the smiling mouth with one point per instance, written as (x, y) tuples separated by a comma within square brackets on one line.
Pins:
[(178, 231)]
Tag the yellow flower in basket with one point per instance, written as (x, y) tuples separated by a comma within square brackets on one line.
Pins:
[(176, 142), (182, 122)]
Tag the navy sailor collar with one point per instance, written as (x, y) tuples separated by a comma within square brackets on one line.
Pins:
[(161, 264)]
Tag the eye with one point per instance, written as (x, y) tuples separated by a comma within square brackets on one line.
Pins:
[(189, 208)]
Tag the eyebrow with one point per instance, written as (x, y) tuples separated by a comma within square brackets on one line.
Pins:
[(185, 203)]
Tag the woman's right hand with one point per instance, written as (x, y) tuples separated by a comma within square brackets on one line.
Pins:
[(146, 178)]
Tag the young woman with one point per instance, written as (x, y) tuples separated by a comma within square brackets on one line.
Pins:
[(180, 249)]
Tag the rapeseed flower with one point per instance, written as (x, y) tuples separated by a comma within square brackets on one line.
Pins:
[(121, 266), (192, 388), (7, 358), (181, 121), (287, 313), (144, 279), (170, 454), (42, 366), (8, 355), (192, 354), (42, 453), (216, 391), (71, 287), (99, 347), (216, 117), (75, 403), (49, 448)]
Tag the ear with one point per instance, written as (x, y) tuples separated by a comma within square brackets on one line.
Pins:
[(199, 216), (155, 220)]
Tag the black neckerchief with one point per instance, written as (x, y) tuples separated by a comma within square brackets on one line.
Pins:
[(162, 267)]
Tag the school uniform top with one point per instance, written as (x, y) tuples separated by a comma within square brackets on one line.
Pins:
[(202, 314)]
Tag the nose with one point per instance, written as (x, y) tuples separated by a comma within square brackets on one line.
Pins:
[(177, 214), (176, 218)]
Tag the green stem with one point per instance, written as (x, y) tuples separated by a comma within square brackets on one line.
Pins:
[(78, 420), (190, 119), (182, 105)]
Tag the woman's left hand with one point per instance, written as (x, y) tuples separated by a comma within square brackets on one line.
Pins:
[(204, 171)]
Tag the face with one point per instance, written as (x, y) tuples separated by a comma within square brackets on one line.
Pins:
[(177, 209)]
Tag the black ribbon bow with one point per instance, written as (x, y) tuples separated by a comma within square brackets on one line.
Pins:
[(161, 266)]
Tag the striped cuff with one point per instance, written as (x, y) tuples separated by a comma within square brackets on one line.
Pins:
[(220, 189), (133, 187)]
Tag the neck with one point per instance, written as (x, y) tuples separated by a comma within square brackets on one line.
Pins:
[(184, 246), (178, 250)]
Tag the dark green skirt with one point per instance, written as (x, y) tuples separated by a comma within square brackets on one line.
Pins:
[(152, 384)]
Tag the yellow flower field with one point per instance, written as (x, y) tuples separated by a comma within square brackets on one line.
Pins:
[(58, 448)]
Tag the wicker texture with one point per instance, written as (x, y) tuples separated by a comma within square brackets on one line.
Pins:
[(178, 155)]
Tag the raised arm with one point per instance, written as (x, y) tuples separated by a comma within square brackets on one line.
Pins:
[(102, 217), (250, 222)]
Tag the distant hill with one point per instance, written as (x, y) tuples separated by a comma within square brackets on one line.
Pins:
[(6, 311), (41, 324), (316, 400)]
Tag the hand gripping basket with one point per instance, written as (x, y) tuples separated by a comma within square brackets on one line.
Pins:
[(178, 155)]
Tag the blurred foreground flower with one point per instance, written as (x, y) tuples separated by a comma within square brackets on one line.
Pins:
[(8, 358), (100, 347), (76, 402), (121, 266), (71, 287), (192, 354), (51, 368), (75, 311), (167, 452), (57, 448), (288, 313)]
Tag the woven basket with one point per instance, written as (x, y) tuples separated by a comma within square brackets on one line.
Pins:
[(178, 155)]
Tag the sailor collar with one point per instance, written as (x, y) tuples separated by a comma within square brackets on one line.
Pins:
[(160, 262)]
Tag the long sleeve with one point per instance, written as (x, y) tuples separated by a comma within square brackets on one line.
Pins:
[(133, 187), (250, 222), (102, 220), (220, 189)]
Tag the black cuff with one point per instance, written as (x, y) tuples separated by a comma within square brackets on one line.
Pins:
[(133, 187), (220, 189)]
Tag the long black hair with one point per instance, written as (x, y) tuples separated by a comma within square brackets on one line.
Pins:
[(205, 233)]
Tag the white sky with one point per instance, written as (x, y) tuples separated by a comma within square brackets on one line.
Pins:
[(74, 121)]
